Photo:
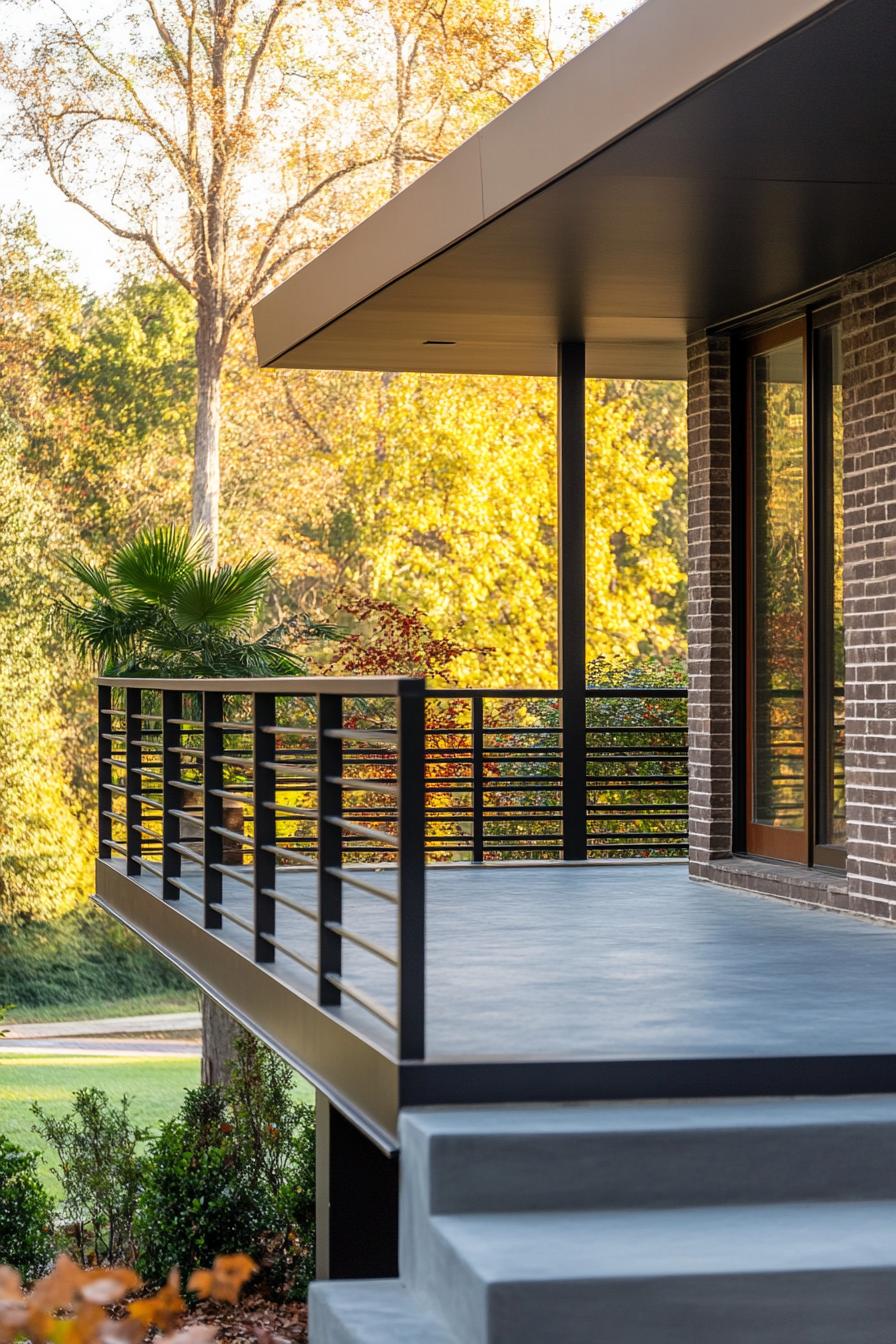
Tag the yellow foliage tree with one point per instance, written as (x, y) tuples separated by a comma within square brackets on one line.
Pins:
[(45, 845)]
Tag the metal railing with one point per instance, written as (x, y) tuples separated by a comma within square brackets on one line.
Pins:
[(283, 806), (217, 792)]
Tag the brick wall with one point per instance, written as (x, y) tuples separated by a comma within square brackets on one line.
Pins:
[(869, 505), (709, 601)]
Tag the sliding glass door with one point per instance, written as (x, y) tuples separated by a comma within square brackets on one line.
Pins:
[(794, 594)]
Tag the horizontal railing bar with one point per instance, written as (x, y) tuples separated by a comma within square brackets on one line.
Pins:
[(352, 687), (236, 836), (489, 693), (148, 718), (284, 810), (289, 730), (365, 785), (386, 736), (290, 952), (147, 802), (188, 723), (368, 944), (186, 785), (115, 788), (232, 727), (185, 888), (242, 761), (288, 769), (143, 742), (119, 762), (296, 906), (370, 887), (147, 863), (232, 797), (112, 710), (638, 835), (365, 1000), (115, 737), (279, 852), (188, 751), (366, 832), (227, 870), (185, 850), (221, 909), (186, 816), (146, 773), (145, 830), (113, 844)]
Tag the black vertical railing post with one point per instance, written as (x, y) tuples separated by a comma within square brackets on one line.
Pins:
[(571, 587), (133, 699), (212, 804), (264, 795), (411, 872), (478, 763), (171, 795), (329, 846), (104, 771)]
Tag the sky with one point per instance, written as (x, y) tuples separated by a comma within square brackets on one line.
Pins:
[(94, 253)]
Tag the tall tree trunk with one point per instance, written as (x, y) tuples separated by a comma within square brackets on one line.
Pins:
[(219, 1030), (219, 1036), (206, 453)]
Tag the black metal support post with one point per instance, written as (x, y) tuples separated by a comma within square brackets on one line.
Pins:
[(212, 804), (265, 823), (477, 754), (172, 706), (411, 874), (357, 1201), (571, 592), (134, 781), (104, 771), (329, 803)]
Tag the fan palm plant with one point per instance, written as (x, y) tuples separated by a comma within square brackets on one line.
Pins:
[(158, 608)]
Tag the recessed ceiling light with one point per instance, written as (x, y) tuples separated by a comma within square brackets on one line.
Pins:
[(440, 342)]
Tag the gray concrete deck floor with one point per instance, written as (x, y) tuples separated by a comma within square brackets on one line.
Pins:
[(607, 962)]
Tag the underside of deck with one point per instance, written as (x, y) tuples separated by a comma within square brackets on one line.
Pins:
[(621, 979)]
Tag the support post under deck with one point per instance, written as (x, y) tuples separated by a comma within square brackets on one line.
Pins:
[(357, 1201), (571, 592)]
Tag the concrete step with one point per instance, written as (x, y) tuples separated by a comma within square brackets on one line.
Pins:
[(649, 1154), (805, 1273), (371, 1311)]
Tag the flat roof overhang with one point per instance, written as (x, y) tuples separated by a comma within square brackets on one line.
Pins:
[(702, 160)]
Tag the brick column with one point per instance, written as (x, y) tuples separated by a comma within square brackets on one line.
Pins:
[(869, 517), (709, 601)]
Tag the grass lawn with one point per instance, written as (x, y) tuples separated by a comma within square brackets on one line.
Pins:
[(155, 1084)]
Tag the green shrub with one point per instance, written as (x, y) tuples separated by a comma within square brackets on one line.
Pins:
[(197, 1201), (83, 958), (99, 1170), (234, 1171), (26, 1213)]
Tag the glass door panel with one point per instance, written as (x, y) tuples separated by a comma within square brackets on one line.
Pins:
[(776, 726), (830, 829)]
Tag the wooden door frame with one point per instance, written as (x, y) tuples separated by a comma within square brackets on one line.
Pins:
[(774, 842)]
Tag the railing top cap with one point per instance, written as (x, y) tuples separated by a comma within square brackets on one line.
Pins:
[(359, 686)]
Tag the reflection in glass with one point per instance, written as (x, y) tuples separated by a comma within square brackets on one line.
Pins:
[(831, 715), (778, 547)]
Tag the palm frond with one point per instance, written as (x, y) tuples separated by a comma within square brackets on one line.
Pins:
[(225, 598), (101, 632), (157, 560), (94, 578)]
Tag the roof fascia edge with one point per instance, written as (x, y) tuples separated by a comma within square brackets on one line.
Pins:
[(516, 155)]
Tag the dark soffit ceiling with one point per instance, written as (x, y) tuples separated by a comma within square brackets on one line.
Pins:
[(764, 182)]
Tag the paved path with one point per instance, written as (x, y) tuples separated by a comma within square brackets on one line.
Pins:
[(97, 1046), (146, 1024)]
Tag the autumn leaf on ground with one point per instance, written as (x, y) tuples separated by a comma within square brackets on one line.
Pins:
[(225, 1278), (162, 1310)]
